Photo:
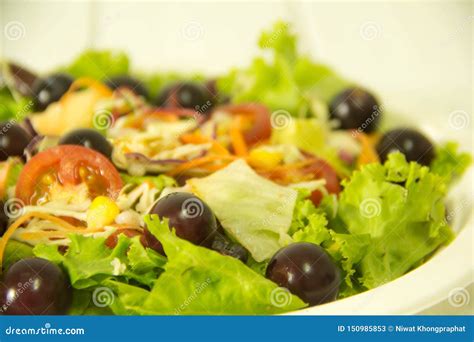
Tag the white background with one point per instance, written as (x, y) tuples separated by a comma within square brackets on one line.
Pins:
[(418, 56)]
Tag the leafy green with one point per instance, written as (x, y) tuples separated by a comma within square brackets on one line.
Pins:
[(160, 182), (82, 304), (259, 267), (99, 64), (15, 251), (348, 250), (310, 224), (89, 261), (11, 108), (200, 281), (14, 173), (307, 134), (261, 210), (449, 163), (285, 82), (400, 206)]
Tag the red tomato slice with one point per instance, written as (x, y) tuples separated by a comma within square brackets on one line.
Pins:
[(261, 128), (68, 165), (321, 169)]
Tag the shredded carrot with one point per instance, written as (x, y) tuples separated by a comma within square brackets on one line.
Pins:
[(219, 149), (194, 138), (199, 162), (237, 138), (8, 234), (368, 154), (192, 164), (198, 138)]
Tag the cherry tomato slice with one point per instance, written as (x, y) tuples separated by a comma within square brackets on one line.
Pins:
[(321, 169), (261, 128), (68, 165), (112, 239)]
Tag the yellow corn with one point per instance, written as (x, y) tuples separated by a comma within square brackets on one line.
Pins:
[(101, 212), (264, 159)]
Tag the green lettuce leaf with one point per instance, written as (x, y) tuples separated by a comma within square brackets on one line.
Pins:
[(310, 224), (348, 251), (198, 280), (254, 211), (310, 135), (400, 206), (11, 108), (99, 64), (307, 134), (286, 81), (89, 261), (15, 251), (83, 304), (449, 163)]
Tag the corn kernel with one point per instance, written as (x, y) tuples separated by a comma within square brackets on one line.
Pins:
[(101, 212), (48, 179), (265, 159)]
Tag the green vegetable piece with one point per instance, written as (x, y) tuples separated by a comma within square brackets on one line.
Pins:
[(253, 210)]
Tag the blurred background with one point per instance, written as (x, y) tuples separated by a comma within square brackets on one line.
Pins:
[(417, 56)]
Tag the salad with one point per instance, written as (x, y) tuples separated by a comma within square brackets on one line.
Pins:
[(265, 190)]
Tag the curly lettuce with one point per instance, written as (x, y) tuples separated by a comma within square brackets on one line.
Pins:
[(89, 261), (286, 81), (310, 224), (400, 205), (449, 163), (99, 64)]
